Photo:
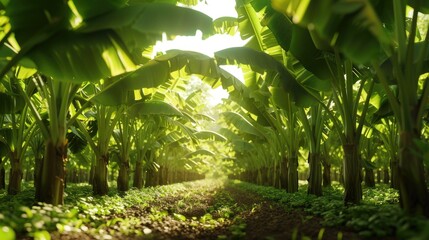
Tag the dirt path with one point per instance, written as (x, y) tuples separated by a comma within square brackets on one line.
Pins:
[(269, 220), (214, 213)]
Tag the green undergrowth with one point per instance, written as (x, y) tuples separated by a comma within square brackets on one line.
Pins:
[(199, 207), (100, 217), (378, 216)]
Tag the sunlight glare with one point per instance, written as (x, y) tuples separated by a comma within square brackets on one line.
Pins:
[(215, 9)]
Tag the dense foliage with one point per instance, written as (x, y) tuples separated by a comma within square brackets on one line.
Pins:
[(323, 91)]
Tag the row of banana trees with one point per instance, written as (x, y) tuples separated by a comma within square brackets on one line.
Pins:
[(75, 77), (341, 66), (315, 72)]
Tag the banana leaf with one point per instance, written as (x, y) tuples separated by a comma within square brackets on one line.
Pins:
[(10, 103), (153, 107), (241, 123), (210, 135)]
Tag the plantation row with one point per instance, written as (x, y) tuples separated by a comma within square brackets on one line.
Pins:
[(329, 88), (209, 209)]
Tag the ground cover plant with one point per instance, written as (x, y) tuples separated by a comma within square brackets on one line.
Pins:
[(209, 209), (214, 119)]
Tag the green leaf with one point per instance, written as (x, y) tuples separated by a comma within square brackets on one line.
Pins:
[(153, 108), (261, 63), (423, 5), (28, 18), (343, 7), (7, 233), (280, 97), (194, 63), (80, 57), (10, 103), (153, 18), (313, 59), (76, 140), (253, 28), (352, 42), (241, 123), (242, 146), (226, 25), (199, 152), (281, 27), (93, 8), (210, 135), (179, 217), (42, 235), (157, 72), (257, 60)]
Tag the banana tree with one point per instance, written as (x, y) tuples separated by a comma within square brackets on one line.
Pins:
[(16, 135), (388, 133), (55, 31), (383, 26), (369, 144), (305, 46), (124, 137), (313, 123)]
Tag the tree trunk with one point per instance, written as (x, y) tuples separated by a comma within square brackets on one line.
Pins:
[(413, 193), (293, 174), (38, 177), (394, 176), (138, 175), (91, 174), (315, 177), (100, 186), (341, 175), (123, 176), (283, 173), (277, 180), (150, 177), (2, 176), (369, 178), (352, 174), (15, 176), (326, 175), (51, 188), (386, 176), (264, 176), (378, 176)]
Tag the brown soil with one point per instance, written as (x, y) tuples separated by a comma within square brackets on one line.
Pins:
[(254, 218), (271, 221)]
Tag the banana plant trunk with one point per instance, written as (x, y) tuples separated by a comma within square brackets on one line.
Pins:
[(394, 176), (91, 174), (276, 179), (15, 177), (386, 175), (2, 176), (283, 173), (378, 176), (265, 176), (315, 177), (51, 187), (352, 174), (413, 193), (151, 177), (123, 177), (326, 175), (38, 176), (138, 175), (293, 174), (100, 186), (369, 178)]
